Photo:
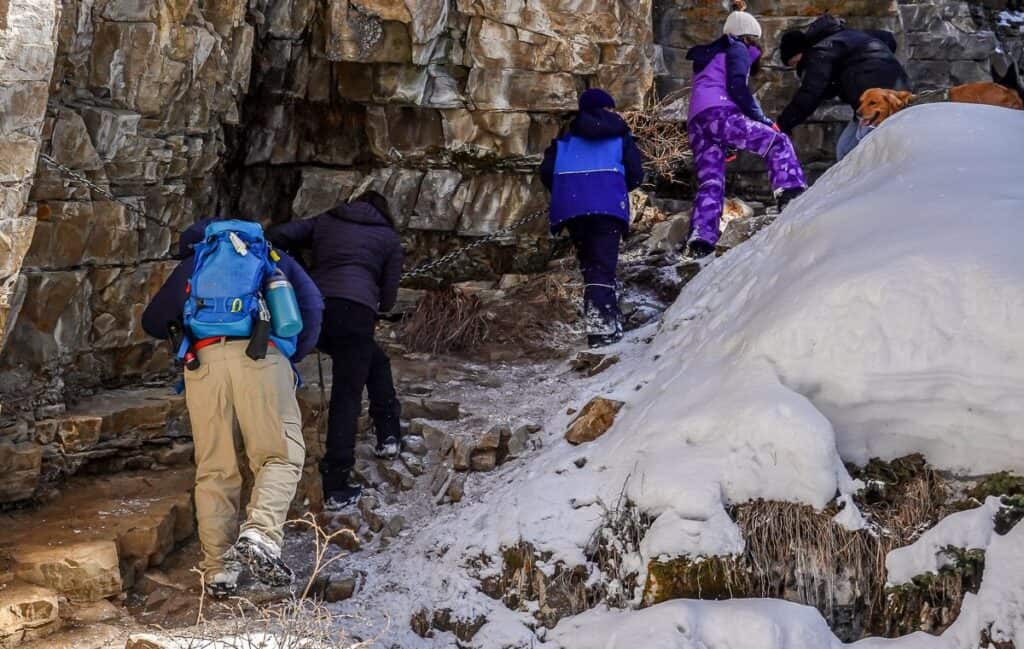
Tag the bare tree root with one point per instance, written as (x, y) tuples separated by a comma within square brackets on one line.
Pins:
[(660, 133)]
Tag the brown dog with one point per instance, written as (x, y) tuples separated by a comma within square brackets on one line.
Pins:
[(878, 104)]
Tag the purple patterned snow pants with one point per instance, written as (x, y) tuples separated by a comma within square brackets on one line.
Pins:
[(710, 133)]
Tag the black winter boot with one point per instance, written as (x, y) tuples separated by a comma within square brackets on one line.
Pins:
[(339, 492), (785, 196), (698, 249)]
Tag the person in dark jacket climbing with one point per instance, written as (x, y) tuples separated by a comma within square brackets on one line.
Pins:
[(590, 170), (836, 61), (357, 263), (724, 114), (228, 386)]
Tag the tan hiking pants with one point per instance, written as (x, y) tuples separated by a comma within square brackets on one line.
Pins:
[(229, 386)]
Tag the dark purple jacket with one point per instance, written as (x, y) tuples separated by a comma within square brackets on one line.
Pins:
[(598, 191), (357, 254), (722, 77), (168, 303)]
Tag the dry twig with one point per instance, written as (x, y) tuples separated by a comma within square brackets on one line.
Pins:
[(660, 133)]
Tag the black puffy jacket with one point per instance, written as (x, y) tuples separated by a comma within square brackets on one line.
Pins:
[(842, 63), (357, 254)]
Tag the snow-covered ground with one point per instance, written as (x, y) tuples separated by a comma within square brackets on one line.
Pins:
[(881, 315)]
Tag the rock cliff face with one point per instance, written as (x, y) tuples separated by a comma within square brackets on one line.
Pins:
[(279, 108), (140, 95), (445, 106), (26, 63)]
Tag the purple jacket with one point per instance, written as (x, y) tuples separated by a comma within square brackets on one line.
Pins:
[(722, 75), (357, 255), (601, 165), (167, 305)]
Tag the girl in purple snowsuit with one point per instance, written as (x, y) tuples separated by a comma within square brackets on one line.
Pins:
[(724, 114)]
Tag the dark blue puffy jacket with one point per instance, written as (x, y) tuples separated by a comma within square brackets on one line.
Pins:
[(168, 303), (592, 168)]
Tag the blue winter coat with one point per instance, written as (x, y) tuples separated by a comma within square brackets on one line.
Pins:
[(592, 168), (168, 303)]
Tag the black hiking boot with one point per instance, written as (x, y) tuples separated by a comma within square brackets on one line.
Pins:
[(785, 196), (603, 340), (389, 448), (342, 498), (262, 557), (698, 249)]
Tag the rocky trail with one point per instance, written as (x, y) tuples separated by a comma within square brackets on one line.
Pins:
[(111, 552)]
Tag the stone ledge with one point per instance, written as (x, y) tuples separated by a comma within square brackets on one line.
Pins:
[(101, 533), (27, 612)]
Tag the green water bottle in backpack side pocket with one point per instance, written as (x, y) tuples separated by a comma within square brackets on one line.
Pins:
[(285, 318)]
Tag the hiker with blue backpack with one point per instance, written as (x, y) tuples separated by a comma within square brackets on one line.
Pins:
[(590, 170), (357, 263), (240, 314)]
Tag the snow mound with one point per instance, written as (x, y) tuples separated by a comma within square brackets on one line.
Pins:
[(879, 316), (693, 624)]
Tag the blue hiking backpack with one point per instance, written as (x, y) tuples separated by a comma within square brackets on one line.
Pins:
[(230, 265)]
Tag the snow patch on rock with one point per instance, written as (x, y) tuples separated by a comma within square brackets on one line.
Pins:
[(967, 530)]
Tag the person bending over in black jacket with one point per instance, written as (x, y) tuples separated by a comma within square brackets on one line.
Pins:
[(357, 263), (835, 61)]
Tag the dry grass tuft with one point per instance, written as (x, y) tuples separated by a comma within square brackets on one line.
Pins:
[(535, 316), (296, 622), (447, 320), (783, 539)]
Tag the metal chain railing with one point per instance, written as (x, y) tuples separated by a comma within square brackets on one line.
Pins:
[(83, 180), (425, 270)]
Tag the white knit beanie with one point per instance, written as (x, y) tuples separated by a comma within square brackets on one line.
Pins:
[(740, 23)]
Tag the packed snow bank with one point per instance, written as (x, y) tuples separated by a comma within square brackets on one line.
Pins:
[(879, 316), (693, 624)]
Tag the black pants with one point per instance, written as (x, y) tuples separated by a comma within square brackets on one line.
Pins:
[(596, 238), (385, 410), (347, 337)]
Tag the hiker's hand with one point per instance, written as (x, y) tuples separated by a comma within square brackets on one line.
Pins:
[(775, 127)]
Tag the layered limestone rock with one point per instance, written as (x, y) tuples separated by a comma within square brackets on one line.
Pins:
[(141, 93), (26, 63), (445, 107), (114, 431)]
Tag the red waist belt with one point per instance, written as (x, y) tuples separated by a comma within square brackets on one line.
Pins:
[(213, 340)]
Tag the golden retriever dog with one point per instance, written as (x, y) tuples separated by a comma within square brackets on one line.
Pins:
[(878, 104)]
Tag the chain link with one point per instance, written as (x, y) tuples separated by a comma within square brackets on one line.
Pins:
[(425, 270), (81, 179)]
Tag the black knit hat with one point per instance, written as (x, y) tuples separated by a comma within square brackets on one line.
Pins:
[(793, 42)]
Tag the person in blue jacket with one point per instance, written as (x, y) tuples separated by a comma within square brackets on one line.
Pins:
[(229, 386), (590, 170)]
